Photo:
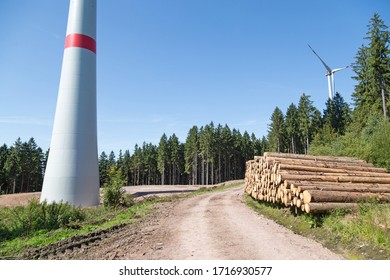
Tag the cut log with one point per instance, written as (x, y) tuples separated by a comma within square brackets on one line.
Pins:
[(326, 164), (342, 179), (336, 196), (340, 172), (343, 188), (313, 158), (358, 185), (327, 207), (340, 169), (315, 184)]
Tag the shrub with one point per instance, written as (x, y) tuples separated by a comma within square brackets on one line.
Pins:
[(24, 220), (114, 195), (380, 145)]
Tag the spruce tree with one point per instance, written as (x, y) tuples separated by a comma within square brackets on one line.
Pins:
[(191, 154), (306, 118), (292, 130), (277, 132), (337, 114), (372, 68), (162, 158)]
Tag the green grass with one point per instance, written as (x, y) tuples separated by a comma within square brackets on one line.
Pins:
[(96, 218), (363, 234), (368, 228)]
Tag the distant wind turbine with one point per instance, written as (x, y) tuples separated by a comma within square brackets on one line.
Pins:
[(330, 74)]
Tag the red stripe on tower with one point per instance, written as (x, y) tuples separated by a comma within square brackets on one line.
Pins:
[(80, 41)]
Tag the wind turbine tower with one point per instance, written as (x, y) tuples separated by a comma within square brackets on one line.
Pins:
[(72, 173), (330, 74)]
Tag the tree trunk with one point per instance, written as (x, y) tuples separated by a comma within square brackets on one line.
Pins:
[(207, 172), (338, 169), (384, 102), (14, 186), (219, 167), (228, 170), (196, 169), (292, 163), (202, 170), (163, 175), (327, 207), (315, 184), (337, 179), (337, 196), (344, 187), (333, 173), (212, 172), (283, 156)]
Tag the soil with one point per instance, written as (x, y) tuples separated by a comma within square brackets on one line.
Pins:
[(216, 225), (20, 199)]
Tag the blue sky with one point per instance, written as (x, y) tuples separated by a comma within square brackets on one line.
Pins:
[(166, 65)]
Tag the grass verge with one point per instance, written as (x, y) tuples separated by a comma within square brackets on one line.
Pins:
[(95, 218), (363, 234)]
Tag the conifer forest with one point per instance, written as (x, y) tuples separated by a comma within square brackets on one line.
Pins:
[(215, 153)]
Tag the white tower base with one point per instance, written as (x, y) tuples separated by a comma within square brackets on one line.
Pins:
[(72, 172)]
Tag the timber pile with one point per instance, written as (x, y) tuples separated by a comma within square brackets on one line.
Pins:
[(315, 184)]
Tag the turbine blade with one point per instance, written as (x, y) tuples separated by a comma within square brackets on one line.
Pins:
[(339, 69), (326, 66)]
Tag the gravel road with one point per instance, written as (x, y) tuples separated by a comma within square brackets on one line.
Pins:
[(214, 225)]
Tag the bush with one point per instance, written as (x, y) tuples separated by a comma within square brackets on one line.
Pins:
[(380, 145), (371, 143), (114, 195)]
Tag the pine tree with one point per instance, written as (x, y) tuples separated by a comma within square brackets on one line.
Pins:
[(174, 160), (227, 152), (218, 150), (32, 168), (315, 122), (247, 150), (206, 146), (292, 128), (305, 120), (372, 68), (13, 165), (104, 168), (111, 159), (337, 114), (162, 158), (256, 145), (126, 167), (276, 131), (137, 165), (238, 157), (4, 178), (191, 147)]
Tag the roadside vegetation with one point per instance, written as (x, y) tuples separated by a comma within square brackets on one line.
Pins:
[(360, 234), (38, 225), (15, 239)]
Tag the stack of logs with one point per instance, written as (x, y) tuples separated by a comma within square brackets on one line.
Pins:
[(315, 184)]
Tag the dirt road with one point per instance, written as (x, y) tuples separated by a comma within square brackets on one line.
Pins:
[(215, 225)]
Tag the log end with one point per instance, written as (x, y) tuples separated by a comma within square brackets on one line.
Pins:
[(306, 197)]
